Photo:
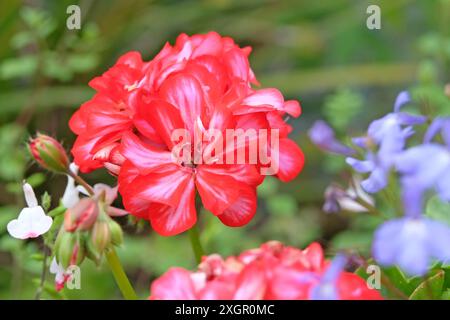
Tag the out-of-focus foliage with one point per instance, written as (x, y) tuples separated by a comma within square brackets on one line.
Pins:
[(319, 52)]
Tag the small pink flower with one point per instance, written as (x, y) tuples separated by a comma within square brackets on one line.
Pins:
[(61, 276)]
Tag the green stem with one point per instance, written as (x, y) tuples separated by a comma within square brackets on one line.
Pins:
[(370, 208), (81, 182), (195, 243), (43, 275), (119, 275)]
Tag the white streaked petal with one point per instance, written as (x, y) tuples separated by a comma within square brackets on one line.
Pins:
[(30, 197), (31, 223), (71, 194)]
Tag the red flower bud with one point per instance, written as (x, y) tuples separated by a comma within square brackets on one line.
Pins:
[(49, 153), (81, 216)]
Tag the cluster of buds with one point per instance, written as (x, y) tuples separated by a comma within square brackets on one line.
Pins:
[(87, 229)]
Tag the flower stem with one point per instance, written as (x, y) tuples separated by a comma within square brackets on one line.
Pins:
[(43, 275), (194, 236), (81, 182), (370, 208), (119, 275)]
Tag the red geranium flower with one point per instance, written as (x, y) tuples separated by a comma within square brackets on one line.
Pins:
[(273, 271), (201, 85)]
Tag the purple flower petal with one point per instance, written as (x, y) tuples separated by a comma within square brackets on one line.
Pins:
[(322, 135), (446, 132), (326, 288), (402, 98), (332, 195), (439, 124), (362, 166), (425, 164), (361, 142), (443, 186), (376, 181), (439, 242), (412, 198), (412, 244), (433, 130), (407, 119)]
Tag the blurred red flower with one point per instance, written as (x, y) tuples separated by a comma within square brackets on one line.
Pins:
[(271, 272)]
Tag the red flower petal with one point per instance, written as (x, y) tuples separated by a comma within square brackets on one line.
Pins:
[(314, 255), (137, 206), (237, 64), (291, 160), (145, 157), (217, 191), (175, 284), (251, 284), (165, 185), (160, 116), (352, 287), (185, 93), (81, 152), (293, 108), (242, 211), (172, 220)]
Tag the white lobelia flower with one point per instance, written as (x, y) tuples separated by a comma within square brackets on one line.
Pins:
[(71, 194), (32, 220), (60, 274)]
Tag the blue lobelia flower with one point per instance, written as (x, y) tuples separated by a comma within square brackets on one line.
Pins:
[(424, 167), (322, 135), (412, 243), (388, 135)]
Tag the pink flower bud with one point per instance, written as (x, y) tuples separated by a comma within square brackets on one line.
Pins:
[(49, 153), (81, 216)]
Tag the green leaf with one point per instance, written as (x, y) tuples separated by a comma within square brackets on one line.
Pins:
[(353, 240), (82, 62), (400, 280), (46, 201), (446, 295), (434, 96), (431, 288), (12, 158), (282, 204), (37, 257), (18, 67), (7, 213), (268, 187), (342, 107), (36, 179), (438, 210)]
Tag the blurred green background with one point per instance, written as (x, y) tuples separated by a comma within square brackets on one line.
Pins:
[(319, 52)]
